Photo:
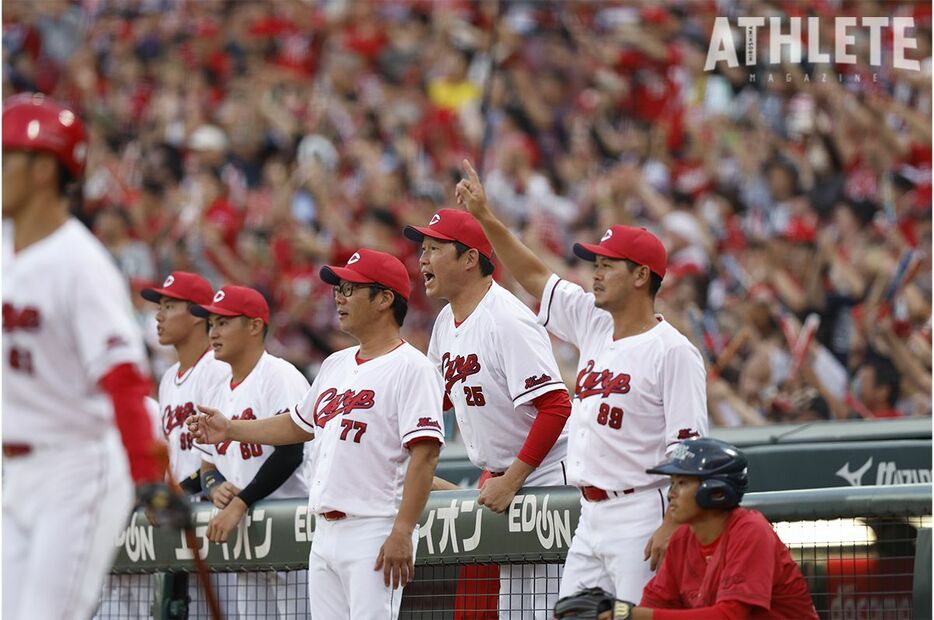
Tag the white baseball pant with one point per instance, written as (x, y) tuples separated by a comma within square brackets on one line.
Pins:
[(63, 507), (608, 546), (341, 581)]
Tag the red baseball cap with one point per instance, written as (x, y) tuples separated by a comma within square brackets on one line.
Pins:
[(630, 243), (453, 225), (371, 267), (235, 301), (181, 285)]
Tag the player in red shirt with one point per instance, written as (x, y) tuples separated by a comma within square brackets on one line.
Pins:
[(723, 561)]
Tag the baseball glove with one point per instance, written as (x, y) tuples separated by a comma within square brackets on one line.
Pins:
[(592, 604)]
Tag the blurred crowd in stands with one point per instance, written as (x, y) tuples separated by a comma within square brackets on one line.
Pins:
[(254, 141)]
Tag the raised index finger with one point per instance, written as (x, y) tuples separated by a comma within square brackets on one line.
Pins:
[(471, 172)]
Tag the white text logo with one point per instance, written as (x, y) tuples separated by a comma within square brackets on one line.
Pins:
[(785, 35)]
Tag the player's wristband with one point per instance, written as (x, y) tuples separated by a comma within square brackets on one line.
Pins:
[(192, 484), (210, 479)]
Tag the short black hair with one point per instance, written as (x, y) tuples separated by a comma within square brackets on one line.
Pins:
[(245, 318), (400, 307), (886, 374), (486, 265), (207, 323), (65, 179), (655, 280)]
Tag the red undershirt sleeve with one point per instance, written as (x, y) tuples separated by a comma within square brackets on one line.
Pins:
[(724, 610), (127, 389), (554, 408)]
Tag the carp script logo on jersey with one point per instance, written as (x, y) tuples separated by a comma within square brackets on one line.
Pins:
[(174, 417), (458, 368), (600, 383), (14, 319), (331, 404)]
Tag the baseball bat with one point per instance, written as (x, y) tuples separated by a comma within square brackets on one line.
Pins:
[(731, 349), (697, 328), (905, 272), (713, 331), (201, 567), (787, 325), (737, 272), (856, 405), (803, 343)]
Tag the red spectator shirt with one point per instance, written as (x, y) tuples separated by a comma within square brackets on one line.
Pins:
[(738, 569)]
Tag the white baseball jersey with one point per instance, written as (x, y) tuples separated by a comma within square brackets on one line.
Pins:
[(179, 395), (493, 365), (67, 321), (634, 398), (272, 388), (364, 415)]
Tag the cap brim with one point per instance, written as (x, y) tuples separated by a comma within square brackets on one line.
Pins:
[(670, 469), (155, 295), (590, 251), (206, 311), (334, 275), (417, 233)]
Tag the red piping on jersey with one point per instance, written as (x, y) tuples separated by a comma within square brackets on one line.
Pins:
[(181, 372), (415, 440), (360, 361), (459, 323)]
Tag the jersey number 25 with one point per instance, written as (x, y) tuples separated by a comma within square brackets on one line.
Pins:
[(474, 396)]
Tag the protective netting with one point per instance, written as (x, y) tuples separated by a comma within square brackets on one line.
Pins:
[(854, 568)]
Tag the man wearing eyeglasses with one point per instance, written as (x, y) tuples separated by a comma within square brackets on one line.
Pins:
[(236, 474), (374, 412)]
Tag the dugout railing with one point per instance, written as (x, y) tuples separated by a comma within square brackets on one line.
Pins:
[(865, 552)]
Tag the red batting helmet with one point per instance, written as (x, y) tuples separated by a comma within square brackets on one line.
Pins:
[(34, 122)]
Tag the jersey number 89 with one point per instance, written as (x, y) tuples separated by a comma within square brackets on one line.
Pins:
[(610, 416)]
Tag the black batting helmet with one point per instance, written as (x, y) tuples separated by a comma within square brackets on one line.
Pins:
[(720, 466)]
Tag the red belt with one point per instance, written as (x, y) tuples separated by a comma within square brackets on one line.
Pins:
[(12, 450), (334, 515), (596, 494)]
